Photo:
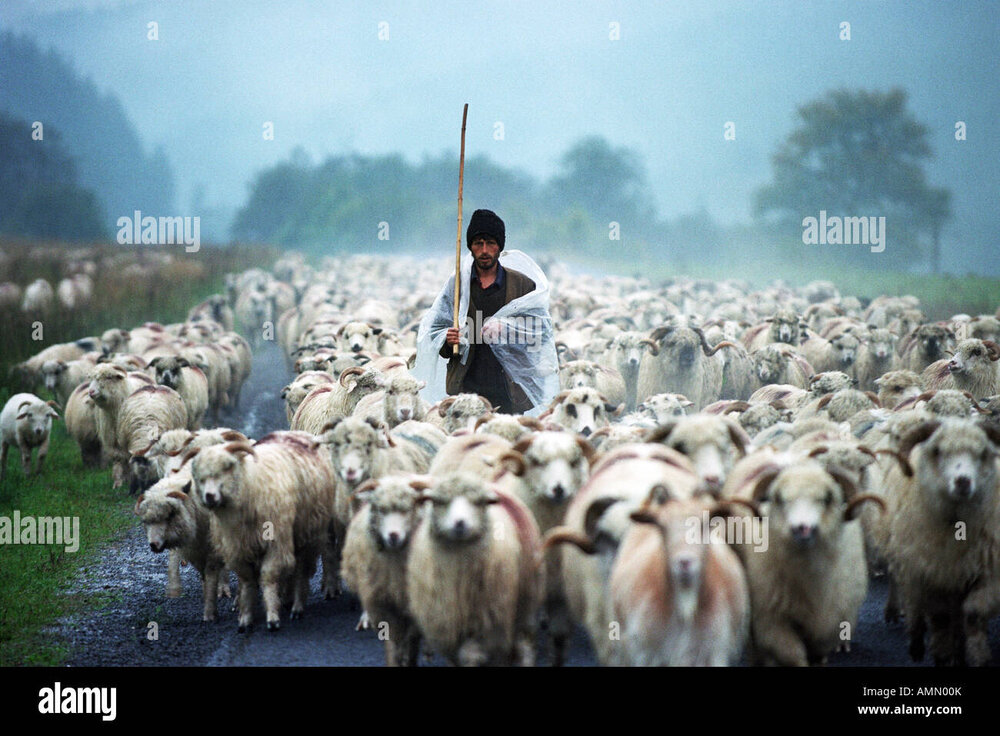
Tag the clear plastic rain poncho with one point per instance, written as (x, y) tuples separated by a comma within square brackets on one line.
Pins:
[(520, 335)]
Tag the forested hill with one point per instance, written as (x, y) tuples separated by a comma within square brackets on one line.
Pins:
[(94, 129)]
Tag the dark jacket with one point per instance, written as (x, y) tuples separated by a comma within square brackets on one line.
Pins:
[(516, 284)]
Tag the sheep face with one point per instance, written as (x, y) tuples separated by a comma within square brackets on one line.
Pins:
[(358, 336), (957, 466), (882, 344), (804, 506), (896, 387), (34, 421), (628, 349), (933, 341), (830, 381), (462, 411), (107, 383), (663, 407), (583, 411), (555, 465), (712, 443), (168, 521), (217, 474), (401, 399), (973, 357), (579, 374), (51, 371), (168, 371), (392, 513), (681, 347), (459, 509), (353, 444), (785, 327), (845, 349), (769, 365)]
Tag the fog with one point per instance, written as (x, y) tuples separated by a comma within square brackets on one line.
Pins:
[(659, 78)]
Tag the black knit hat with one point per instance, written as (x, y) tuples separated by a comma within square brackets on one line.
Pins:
[(485, 222)]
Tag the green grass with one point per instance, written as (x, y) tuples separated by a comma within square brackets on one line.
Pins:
[(33, 576)]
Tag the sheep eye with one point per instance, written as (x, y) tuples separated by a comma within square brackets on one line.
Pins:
[(975, 353), (828, 498), (681, 448)]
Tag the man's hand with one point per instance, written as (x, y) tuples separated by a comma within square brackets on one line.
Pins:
[(451, 337)]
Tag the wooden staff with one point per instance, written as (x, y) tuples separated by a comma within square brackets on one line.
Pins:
[(458, 238)]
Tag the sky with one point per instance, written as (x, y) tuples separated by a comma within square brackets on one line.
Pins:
[(662, 78)]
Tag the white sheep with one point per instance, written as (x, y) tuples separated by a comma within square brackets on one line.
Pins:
[(188, 381), (271, 506), (325, 404), (473, 581), (942, 538), (398, 402), (375, 552), (25, 423)]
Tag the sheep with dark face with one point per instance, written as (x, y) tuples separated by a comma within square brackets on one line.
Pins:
[(923, 346), (473, 581), (781, 364), (188, 381), (681, 360), (461, 411), (580, 410), (784, 327)]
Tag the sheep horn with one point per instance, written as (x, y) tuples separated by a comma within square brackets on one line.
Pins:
[(489, 406), (738, 436), (482, 420), (138, 502), (729, 502), (736, 406), (975, 403), (849, 512), (516, 458), (817, 451), (874, 398), (654, 349), (565, 535), (662, 432), (845, 482), (824, 401), (238, 447), (705, 347), (587, 449), (916, 436), (904, 463), (763, 483), (352, 371), (369, 485), (717, 348), (530, 423), (992, 350)]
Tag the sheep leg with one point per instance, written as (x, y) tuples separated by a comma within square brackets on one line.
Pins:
[(410, 647), (524, 649), (26, 460), (332, 553), (305, 566), (210, 591), (977, 609), (471, 654), (781, 646), (892, 611), (117, 474), (558, 625), (174, 588), (42, 452), (247, 599), (942, 640), (272, 572), (3, 459)]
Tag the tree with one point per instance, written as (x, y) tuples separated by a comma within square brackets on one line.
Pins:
[(857, 154)]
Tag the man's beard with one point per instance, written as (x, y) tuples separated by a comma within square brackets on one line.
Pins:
[(485, 263)]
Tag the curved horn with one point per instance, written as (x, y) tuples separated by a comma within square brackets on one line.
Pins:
[(736, 406), (717, 348), (904, 463), (992, 350), (916, 436), (514, 457), (238, 447), (763, 483), (874, 398), (587, 449), (352, 371), (845, 482), (849, 512), (654, 348), (445, 404), (565, 535)]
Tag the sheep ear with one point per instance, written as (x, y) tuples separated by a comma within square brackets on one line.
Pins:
[(512, 462), (138, 503)]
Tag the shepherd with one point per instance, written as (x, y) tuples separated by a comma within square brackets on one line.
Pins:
[(506, 350)]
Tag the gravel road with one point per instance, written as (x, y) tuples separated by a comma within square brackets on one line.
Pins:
[(141, 627)]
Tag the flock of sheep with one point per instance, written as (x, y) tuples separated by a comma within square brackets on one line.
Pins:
[(722, 472)]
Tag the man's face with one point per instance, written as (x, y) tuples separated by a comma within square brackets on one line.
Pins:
[(485, 250)]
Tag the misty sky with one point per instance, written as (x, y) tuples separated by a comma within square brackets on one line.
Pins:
[(549, 73)]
